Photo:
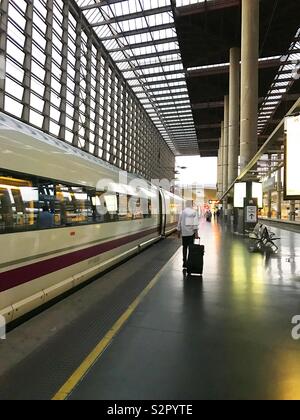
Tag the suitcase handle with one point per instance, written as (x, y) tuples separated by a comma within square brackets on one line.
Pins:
[(199, 239)]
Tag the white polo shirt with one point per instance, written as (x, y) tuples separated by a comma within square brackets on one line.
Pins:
[(188, 222)]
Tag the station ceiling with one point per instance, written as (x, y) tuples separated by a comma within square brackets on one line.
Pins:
[(175, 55), (206, 32), (140, 36)]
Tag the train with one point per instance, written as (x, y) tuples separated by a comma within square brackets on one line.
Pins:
[(58, 228)]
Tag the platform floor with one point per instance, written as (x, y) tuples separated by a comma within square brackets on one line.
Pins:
[(225, 337)]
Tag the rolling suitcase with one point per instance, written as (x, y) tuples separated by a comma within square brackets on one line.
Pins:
[(196, 259)]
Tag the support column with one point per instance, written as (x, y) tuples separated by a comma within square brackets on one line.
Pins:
[(234, 114), (225, 156), (220, 186), (279, 189), (270, 190), (249, 80), (225, 143), (222, 156)]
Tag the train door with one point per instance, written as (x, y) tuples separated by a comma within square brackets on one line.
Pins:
[(163, 213)]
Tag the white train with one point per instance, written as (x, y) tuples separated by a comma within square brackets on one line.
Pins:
[(52, 236)]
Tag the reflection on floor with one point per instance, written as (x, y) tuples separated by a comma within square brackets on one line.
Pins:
[(226, 337)]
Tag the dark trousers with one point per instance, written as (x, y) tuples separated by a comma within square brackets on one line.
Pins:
[(187, 241)]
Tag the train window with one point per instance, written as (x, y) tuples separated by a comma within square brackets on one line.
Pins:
[(65, 213), (139, 207), (124, 213), (73, 205), (19, 205), (28, 203), (83, 205)]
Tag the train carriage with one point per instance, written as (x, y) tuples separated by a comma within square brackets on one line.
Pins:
[(91, 228)]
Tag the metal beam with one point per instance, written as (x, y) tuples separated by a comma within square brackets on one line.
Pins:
[(100, 3), (179, 107), (97, 106), (4, 4), (112, 96), (172, 95), (138, 31), (206, 7), (172, 88), (160, 74), (224, 69), (137, 15), (208, 126), (64, 70), (184, 140), (152, 65), (182, 125), (144, 44), (146, 56), (77, 80), (208, 105), (27, 63), (48, 67), (175, 101), (161, 82), (88, 89), (184, 135), (178, 114)]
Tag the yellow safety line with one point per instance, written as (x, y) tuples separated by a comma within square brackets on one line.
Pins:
[(93, 357)]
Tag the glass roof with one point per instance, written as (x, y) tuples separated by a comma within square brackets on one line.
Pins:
[(288, 73), (141, 38)]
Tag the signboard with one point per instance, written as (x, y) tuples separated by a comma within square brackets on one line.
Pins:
[(292, 150), (239, 194), (251, 214)]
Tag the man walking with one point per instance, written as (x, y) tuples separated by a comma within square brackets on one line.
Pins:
[(188, 226)]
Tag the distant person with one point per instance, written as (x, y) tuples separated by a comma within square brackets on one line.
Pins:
[(46, 219), (218, 214), (208, 216), (188, 226)]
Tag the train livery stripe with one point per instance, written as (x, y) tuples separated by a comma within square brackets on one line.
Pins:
[(18, 276)]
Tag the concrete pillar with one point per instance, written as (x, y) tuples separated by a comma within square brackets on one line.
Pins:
[(279, 189), (220, 170), (249, 80), (234, 114), (222, 156), (225, 144), (270, 192), (225, 158)]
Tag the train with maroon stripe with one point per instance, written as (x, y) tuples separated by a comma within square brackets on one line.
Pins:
[(58, 228)]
